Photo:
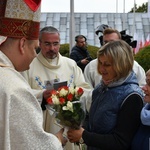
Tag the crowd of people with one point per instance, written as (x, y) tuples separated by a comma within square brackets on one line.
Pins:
[(116, 88)]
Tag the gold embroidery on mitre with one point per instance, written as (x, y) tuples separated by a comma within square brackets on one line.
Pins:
[(20, 21), (20, 11)]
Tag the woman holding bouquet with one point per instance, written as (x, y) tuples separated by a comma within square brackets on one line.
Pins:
[(117, 101)]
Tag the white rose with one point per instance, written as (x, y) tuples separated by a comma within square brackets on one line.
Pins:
[(71, 90), (68, 107), (76, 91), (63, 92), (55, 100)]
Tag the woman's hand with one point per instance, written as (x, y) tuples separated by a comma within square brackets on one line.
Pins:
[(74, 135)]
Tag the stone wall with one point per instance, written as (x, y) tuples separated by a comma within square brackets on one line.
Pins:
[(86, 23)]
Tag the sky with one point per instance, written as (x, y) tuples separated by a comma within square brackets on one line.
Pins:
[(93, 6)]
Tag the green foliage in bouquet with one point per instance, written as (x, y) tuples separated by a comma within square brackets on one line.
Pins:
[(68, 109), (71, 119)]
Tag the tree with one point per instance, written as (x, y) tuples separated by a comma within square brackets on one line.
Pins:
[(142, 8), (143, 57)]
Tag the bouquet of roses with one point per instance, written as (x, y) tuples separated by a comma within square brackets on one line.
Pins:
[(68, 109)]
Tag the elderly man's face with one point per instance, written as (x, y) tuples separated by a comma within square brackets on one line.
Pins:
[(146, 89)]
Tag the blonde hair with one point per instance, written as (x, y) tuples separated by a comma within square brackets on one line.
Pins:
[(147, 79), (148, 73), (121, 56)]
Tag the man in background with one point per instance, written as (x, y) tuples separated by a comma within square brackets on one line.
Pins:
[(79, 52)]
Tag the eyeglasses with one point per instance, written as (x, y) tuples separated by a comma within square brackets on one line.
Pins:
[(48, 44)]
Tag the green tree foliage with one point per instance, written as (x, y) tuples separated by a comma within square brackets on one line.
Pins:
[(64, 50), (143, 57), (140, 9)]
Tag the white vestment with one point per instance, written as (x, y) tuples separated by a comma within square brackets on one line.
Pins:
[(21, 116), (93, 77), (64, 69)]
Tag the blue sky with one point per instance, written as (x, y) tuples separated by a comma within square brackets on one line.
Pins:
[(106, 6)]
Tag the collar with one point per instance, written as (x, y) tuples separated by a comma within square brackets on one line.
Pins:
[(4, 61), (50, 63)]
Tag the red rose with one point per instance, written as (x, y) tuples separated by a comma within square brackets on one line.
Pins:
[(53, 92), (61, 100), (49, 101), (80, 91), (63, 87), (70, 97)]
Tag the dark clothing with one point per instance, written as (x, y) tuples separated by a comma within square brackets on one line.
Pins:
[(107, 102), (77, 54), (142, 138), (121, 136), (114, 116)]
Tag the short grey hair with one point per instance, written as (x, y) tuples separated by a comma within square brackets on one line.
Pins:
[(48, 29)]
